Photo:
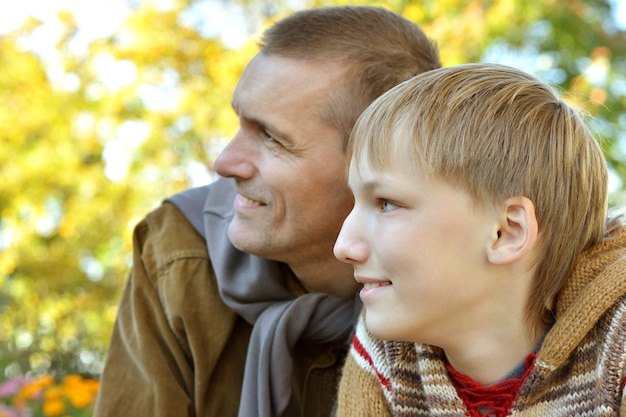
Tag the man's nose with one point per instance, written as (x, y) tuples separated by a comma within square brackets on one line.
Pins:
[(237, 159)]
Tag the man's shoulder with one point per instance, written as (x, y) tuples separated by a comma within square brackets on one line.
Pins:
[(179, 218), (167, 235), (215, 199), (175, 229), (167, 219)]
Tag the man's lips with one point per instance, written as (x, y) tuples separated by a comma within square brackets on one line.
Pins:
[(249, 201)]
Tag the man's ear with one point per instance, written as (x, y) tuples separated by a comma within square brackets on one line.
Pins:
[(516, 233)]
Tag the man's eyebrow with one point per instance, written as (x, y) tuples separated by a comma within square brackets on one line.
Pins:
[(268, 127)]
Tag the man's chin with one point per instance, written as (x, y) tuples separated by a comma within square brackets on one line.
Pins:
[(242, 237)]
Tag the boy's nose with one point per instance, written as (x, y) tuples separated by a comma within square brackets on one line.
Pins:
[(350, 247)]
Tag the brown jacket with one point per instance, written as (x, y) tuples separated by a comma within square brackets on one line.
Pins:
[(176, 349)]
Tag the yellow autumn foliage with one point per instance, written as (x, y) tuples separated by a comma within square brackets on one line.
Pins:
[(96, 137)]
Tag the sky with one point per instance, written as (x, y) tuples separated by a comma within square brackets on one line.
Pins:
[(620, 12), (99, 15)]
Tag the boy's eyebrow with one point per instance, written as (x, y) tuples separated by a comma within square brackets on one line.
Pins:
[(371, 186), (368, 186)]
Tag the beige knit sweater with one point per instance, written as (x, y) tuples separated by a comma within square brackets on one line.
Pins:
[(579, 371)]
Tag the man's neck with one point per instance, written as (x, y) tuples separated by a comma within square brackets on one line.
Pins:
[(330, 277)]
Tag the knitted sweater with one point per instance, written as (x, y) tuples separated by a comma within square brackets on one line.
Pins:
[(579, 371)]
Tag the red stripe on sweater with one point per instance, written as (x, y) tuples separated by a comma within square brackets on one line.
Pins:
[(360, 349)]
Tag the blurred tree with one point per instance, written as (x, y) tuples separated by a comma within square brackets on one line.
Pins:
[(94, 137), (85, 153)]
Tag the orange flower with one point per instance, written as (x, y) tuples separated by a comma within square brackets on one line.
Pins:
[(81, 392), (53, 398), (53, 393), (43, 381), (53, 407), (33, 389)]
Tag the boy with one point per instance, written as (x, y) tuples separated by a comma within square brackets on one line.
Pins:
[(492, 284)]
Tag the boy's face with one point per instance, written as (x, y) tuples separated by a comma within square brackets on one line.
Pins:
[(419, 246)]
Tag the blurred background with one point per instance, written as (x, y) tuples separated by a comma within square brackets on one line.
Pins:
[(108, 106)]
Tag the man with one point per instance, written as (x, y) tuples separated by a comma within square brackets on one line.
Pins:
[(236, 304)]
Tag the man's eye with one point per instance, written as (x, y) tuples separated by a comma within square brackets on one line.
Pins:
[(386, 205), (267, 137)]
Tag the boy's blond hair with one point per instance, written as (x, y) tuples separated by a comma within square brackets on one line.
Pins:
[(498, 132)]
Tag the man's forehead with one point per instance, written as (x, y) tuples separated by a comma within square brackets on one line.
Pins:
[(278, 91), (281, 73)]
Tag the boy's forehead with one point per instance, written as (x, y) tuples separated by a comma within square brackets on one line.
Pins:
[(377, 152), (368, 167)]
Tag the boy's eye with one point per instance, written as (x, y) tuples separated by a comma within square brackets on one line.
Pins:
[(386, 205)]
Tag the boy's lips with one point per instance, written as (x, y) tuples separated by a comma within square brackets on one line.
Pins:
[(372, 287), (371, 282)]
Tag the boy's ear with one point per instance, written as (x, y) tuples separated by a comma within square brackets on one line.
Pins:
[(517, 231)]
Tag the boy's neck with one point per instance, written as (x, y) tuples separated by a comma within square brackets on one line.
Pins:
[(492, 359)]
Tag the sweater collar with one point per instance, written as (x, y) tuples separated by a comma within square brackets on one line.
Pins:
[(597, 283)]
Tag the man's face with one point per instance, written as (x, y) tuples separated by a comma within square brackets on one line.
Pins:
[(287, 162)]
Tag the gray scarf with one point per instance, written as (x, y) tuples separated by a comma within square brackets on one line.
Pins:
[(256, 289)]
